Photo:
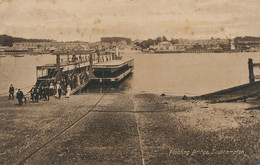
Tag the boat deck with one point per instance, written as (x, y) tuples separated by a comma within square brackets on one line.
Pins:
[(65, 64), (113, 79), (113, 63)]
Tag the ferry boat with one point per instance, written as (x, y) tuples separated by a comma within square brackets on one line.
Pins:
[(112, 71), (77, 68)]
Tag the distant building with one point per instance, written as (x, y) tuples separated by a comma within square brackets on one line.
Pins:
[(3, 48), (247, 46), (49, 47), (167, 47)]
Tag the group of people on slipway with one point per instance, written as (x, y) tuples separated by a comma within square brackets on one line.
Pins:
[(19, 95), (38, 93), (68, 91)]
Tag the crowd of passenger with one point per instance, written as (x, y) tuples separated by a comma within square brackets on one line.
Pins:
[(43, 92)]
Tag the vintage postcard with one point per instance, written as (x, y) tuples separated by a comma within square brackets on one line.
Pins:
[(129, 82)]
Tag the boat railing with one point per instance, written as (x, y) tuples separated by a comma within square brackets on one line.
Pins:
[(70, 63)]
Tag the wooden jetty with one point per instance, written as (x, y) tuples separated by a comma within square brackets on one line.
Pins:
[(238, 93)]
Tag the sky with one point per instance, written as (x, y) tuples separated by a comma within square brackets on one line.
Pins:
[(88, 20)]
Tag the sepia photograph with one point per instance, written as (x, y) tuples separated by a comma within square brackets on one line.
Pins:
[(138, 82)]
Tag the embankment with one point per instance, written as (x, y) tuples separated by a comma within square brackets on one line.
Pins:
[(236, 93)]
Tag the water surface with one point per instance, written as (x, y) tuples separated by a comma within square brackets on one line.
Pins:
[(190, 74), (172, 74)]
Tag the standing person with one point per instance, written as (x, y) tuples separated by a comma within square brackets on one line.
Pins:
[(33, 92), (75, 82), (47, 93), (59, 91), (37, 93), (19, 96), (40, 92), (47, 90), (44, 93), (68, 91), (51, 89), (11, 92)]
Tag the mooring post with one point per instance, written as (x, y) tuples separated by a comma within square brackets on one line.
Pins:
[(251, 71)]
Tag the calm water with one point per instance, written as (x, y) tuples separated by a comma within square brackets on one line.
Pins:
[(174, 74), (21, 71)]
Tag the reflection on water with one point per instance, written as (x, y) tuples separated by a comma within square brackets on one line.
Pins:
[(186, 74), (174, 74), (117, 87)]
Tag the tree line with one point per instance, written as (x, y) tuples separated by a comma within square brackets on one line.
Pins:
[(6, 40), (116, 39), (246, 38), (147, 43)]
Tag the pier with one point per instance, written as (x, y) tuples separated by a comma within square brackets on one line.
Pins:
[(240, 92)]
